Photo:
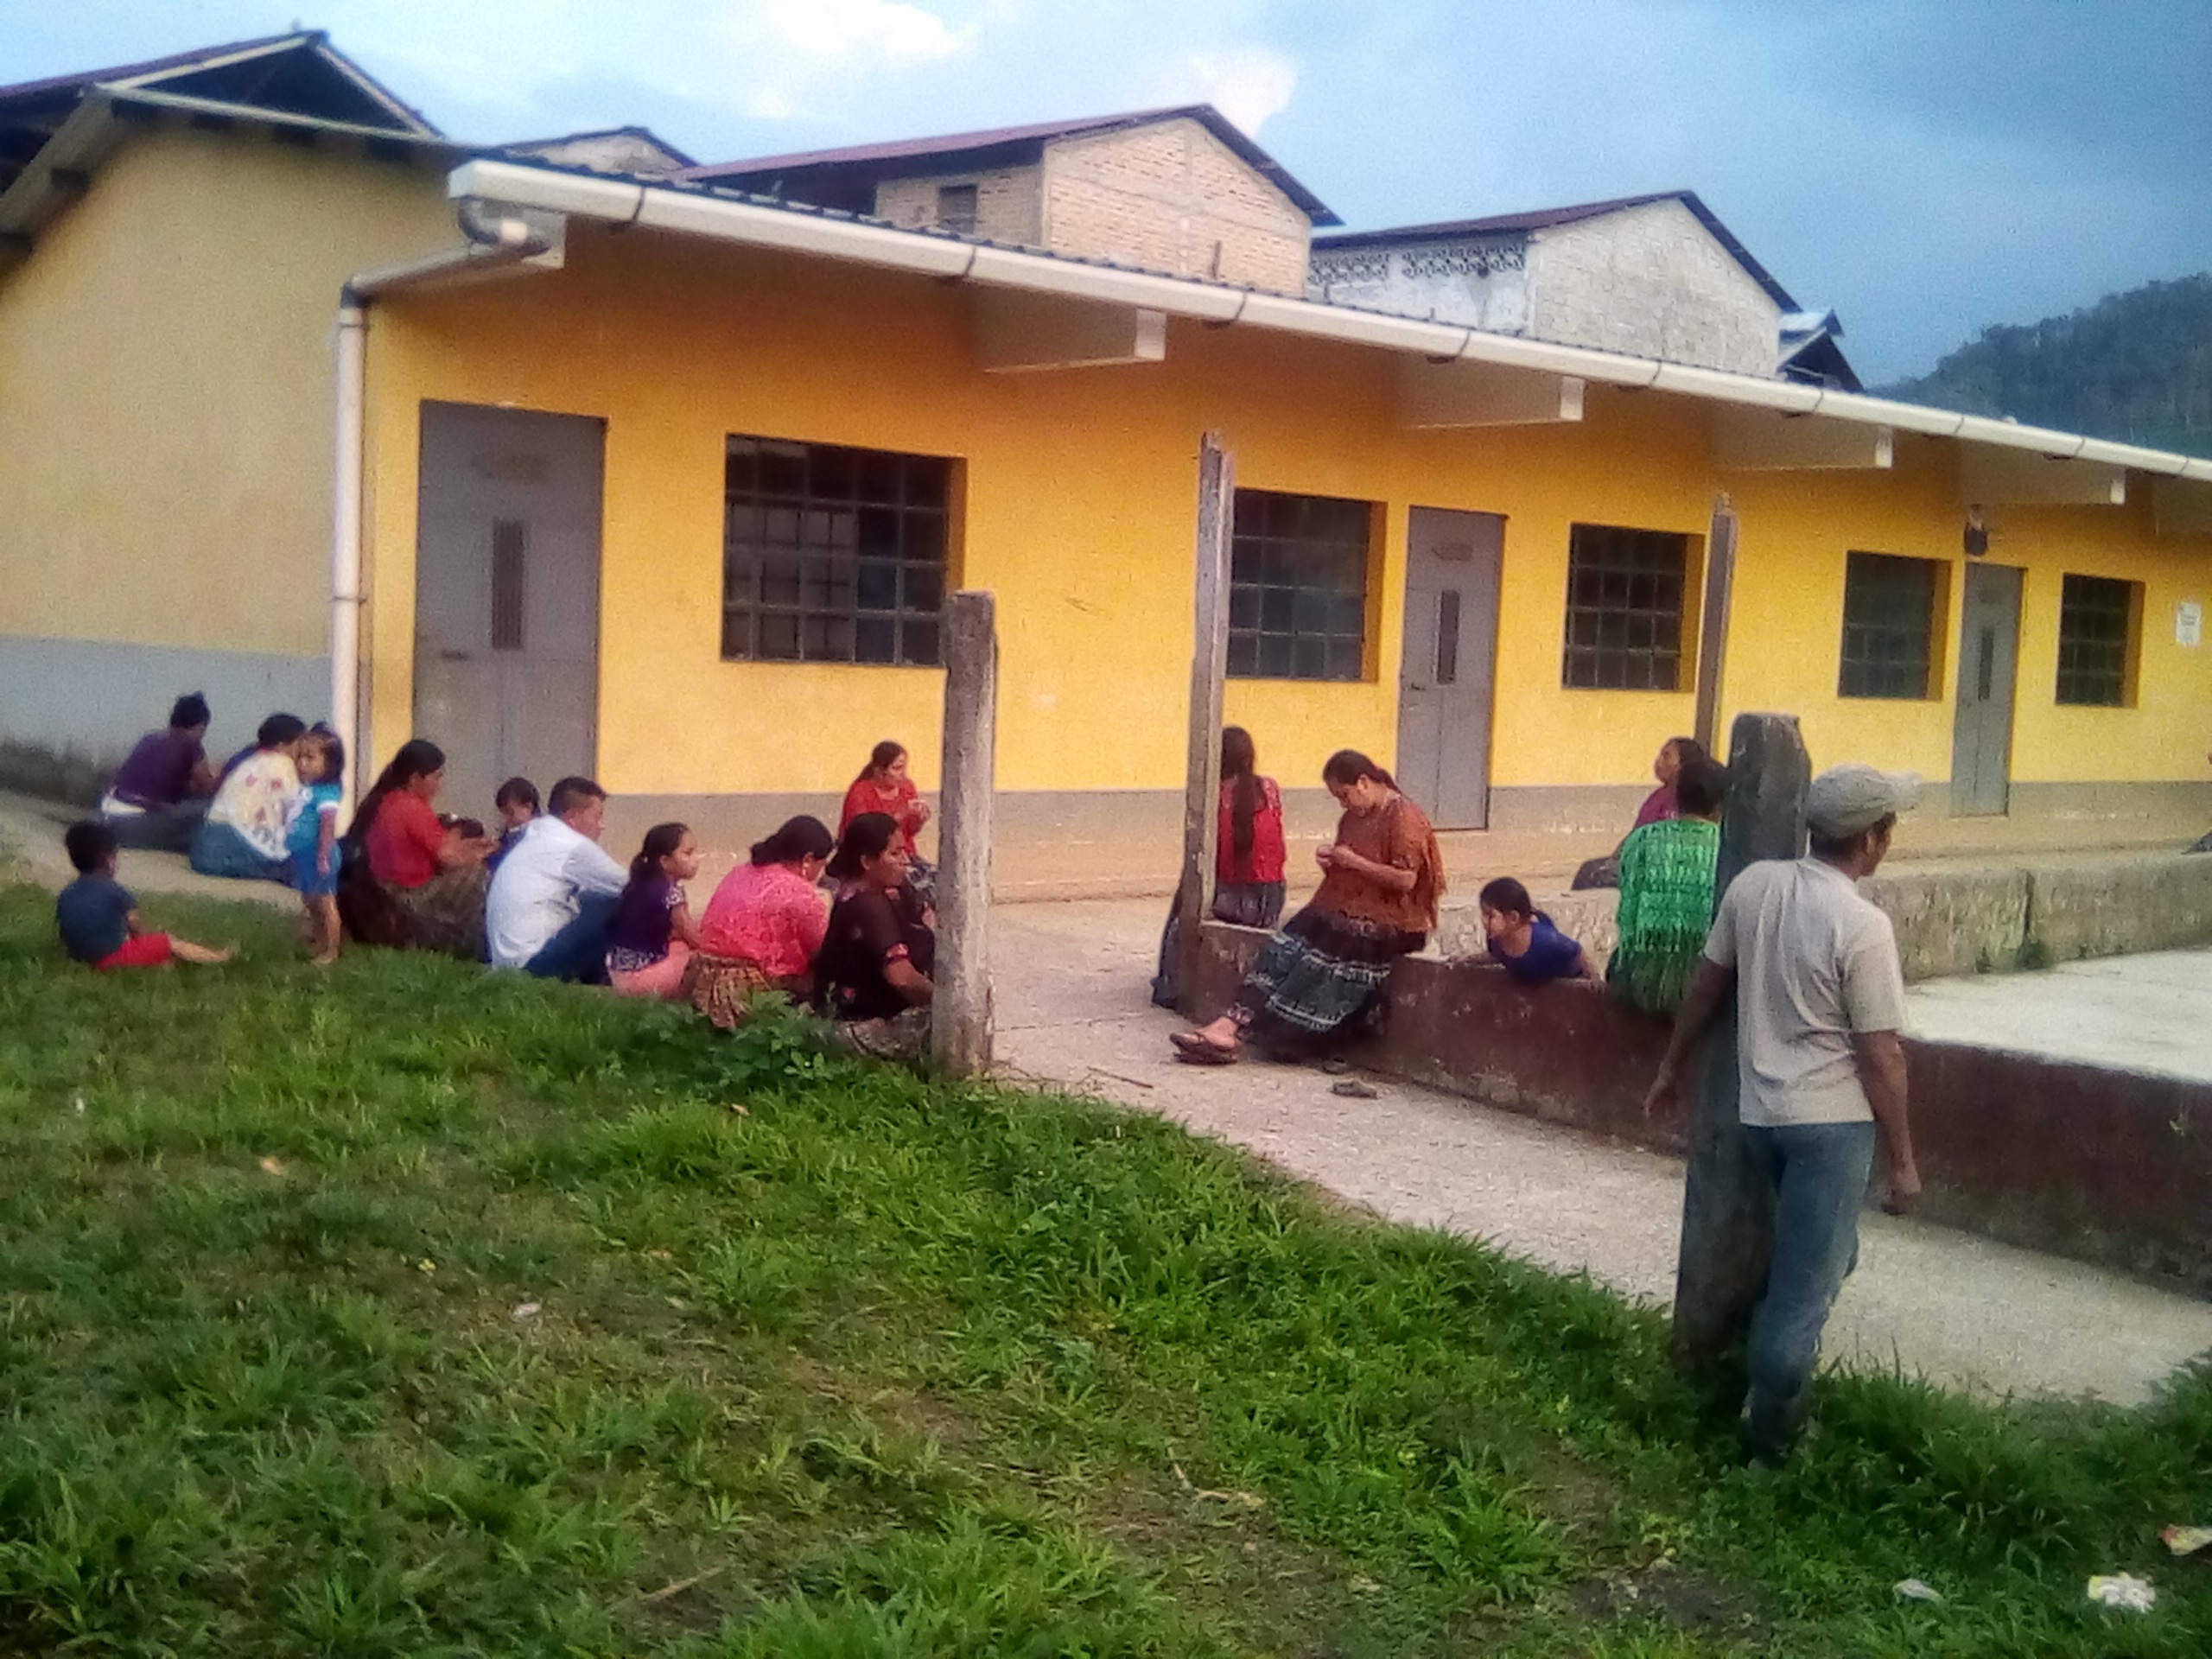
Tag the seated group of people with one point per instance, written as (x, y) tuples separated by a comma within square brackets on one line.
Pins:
[(541, 895), (545, 898), (1321, 976)]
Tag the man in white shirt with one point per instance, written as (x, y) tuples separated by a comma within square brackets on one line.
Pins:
[(555, 889), (1820, 1001)]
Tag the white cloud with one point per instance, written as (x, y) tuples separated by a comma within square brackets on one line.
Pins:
[(1248, 83), (849, 31), (798, 55)]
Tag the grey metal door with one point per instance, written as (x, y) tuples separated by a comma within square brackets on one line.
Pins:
[(1982, 733), (506, 597), (1447, 672)]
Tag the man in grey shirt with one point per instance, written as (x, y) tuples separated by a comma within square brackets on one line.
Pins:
[(1820, 1000)]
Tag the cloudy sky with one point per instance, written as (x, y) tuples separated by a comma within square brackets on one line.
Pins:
[(1924, 167)]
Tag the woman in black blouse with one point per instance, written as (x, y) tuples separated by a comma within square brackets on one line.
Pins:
[(875, 961)]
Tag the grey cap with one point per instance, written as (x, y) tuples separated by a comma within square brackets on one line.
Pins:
[(1846, 800)]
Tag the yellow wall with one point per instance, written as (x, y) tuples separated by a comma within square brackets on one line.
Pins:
[(1080, 488), (165, 372)]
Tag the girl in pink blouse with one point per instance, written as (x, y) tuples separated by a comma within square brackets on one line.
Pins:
[(763, 926)]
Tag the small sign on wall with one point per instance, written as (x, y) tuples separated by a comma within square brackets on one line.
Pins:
[(2189, 623)]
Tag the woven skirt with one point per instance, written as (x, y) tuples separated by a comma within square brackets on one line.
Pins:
[(1322, 973)]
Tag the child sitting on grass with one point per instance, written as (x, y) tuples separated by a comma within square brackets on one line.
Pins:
[(97, 918), (312, 840), (652, 936), (1522, 940)]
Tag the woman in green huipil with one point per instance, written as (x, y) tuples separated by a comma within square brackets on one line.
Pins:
[(1666, 905)]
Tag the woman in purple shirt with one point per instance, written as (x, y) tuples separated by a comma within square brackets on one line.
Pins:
[(159, 793)]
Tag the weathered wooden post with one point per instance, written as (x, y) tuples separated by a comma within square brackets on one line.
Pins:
[(1713, 626), (960, 1020), (1727, 1215), (1208, 668)]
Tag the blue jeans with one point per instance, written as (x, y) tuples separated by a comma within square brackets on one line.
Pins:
[(220, 850), (578, 951), (1819, 1173)]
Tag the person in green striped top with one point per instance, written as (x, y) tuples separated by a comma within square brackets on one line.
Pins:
[(1666, 903)]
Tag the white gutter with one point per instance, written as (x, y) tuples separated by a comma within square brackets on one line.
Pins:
[(692, 212), (494, 244)]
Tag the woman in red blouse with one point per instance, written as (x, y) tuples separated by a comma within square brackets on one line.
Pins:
[(883, 787), (1248, 851), (405, 879), (1248, 887)]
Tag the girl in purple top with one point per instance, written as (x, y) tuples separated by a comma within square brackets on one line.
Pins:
[(652, 936), (1522, 940)]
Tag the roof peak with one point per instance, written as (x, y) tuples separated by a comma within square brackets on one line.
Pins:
[(235, 62)]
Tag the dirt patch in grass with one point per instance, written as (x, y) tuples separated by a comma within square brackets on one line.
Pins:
[(1694, 1601)]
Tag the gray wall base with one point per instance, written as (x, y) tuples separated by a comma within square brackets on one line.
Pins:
[(97, 698)]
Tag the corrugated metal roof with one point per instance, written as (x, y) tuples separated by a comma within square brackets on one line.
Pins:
[(1544, 218), (880, 158)]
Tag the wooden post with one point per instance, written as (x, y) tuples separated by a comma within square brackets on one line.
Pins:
[(960, 1020), (1712, 628), (1209, 667), (1727, 1215)]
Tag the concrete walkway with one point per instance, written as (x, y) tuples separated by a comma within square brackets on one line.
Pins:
[(1072, 1010), (1960, 1310)]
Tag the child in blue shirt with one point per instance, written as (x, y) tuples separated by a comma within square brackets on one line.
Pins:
[(98, 919), (312, 840), (1522, 940)]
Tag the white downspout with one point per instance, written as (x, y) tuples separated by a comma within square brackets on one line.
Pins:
[(494, 243), (346, 481)]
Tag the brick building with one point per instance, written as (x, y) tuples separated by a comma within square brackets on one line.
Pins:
[(1179, 191), (1655, 276)]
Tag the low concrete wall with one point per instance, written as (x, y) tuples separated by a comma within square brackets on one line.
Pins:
[(1965, 918), (2107, 1166), (2114, 907)]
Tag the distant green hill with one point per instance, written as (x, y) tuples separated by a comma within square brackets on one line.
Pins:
[(2134, 366)]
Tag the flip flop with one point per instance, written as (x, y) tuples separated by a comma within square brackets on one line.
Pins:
[(1195, 1049)]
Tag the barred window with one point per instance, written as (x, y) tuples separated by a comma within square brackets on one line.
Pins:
[(2096, 629), (832, 555), (1889, 625), (1298, 587), (1624, 609)]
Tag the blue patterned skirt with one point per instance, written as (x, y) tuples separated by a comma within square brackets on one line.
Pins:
[(1321, 975)]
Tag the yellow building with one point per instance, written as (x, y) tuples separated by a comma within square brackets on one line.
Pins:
[(665, 483)]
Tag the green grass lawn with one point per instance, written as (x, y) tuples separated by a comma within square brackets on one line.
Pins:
[(829, 1360)]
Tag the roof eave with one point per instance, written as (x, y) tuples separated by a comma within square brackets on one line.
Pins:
[(699, 210), (85, 138)]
